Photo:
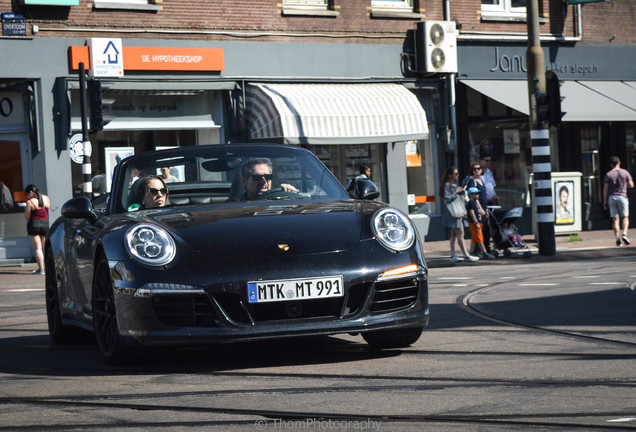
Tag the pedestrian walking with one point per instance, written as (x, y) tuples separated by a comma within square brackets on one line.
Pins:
[(449, 191), (615, 185), (475, 222), (37, 216), (475, 180)]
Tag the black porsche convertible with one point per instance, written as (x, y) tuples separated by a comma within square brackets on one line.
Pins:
[(248, 242)]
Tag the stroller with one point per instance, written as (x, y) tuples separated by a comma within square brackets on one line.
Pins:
[(505, 234)]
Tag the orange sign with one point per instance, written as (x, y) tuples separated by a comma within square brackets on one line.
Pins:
[(159, 59)]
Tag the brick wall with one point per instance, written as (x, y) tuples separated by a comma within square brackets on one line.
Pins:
[(236, 19)]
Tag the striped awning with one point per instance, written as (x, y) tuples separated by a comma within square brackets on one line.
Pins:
[(334, 113)]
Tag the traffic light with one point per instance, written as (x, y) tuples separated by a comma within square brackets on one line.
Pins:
[(98, 105), (553, 91)]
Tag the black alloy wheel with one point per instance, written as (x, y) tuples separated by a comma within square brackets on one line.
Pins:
[(105, 317), (59, 333)]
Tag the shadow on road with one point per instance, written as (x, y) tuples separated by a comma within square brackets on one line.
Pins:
[(35, 355)]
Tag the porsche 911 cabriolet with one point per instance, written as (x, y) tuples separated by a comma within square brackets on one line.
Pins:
[(247, 242)]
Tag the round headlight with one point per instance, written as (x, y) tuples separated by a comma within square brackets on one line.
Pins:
[(393, 229), (150, 245)]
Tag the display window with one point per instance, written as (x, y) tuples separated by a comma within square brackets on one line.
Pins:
[(109, 147)]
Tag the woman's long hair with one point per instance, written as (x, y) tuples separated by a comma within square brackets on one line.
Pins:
[(447, 177), (36, 191)]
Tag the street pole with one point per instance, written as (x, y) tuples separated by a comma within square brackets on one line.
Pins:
[(539, 134), (86, 162)]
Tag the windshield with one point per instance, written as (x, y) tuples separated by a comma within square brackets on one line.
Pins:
[(220, 174)]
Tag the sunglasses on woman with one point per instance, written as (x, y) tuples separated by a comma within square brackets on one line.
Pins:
[(155, 191), (476, 168)]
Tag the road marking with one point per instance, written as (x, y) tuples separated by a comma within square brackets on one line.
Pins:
[(607, 283), (25, 289), (508, 277), (538, 284), (586, 277), (622, 420), (455, 278)]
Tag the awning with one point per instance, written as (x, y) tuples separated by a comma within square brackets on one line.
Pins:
[(334, 113), (152, 110), (161, 87), (582, 100)]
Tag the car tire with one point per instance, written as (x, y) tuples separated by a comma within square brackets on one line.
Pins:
[(59, 333), (105, 317), (393, 338)]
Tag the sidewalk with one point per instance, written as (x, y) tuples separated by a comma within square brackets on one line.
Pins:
[(438, 253)]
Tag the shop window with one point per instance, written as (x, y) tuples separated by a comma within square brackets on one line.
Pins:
[(590, 165), (344, 160), (422, 196), (128, 4), (503, 9), (10, 174), (110, 146), (630, 142), (509, 146)]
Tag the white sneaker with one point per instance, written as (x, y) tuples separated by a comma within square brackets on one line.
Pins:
[(455, 259), (472, 258)]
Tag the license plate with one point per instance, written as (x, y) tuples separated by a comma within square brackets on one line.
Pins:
[(294, 289)]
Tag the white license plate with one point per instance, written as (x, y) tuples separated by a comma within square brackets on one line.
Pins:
[(294, 289)]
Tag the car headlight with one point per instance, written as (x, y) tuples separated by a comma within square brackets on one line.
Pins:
[(393, 229), (150, 245)]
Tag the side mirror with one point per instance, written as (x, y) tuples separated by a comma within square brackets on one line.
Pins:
[(79, 208), (366, 189)]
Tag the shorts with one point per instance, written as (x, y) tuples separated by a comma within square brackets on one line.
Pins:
[(38, 227), (618, 206), (476, 234)]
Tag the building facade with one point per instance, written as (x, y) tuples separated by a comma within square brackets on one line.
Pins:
[(354, 72)]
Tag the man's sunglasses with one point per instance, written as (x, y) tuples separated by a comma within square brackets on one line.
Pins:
[(258, 177), (155, 191)]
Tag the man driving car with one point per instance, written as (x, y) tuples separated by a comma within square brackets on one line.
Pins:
[(256, 177)]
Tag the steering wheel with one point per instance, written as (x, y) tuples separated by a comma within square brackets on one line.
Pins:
[(277, 193)]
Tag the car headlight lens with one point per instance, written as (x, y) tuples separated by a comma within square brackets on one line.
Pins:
[(150, 245), (393, 229)]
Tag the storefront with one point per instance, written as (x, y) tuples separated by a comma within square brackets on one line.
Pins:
[(165, 96), (599, 106)]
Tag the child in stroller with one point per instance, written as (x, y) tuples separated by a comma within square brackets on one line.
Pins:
[(506, 236)]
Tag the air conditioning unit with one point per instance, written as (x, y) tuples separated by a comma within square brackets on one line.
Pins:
[(436, 47)]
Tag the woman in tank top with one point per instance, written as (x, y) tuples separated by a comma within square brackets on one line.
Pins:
[(37, 216)]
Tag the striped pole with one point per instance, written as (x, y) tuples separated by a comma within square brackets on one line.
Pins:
[(86, 162), (539, 134), (543, 199)]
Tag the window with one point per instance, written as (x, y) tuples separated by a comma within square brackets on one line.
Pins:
[(128, 4), (307, 7), (394, 9), (310, 4), (405, 5), (504, 9)]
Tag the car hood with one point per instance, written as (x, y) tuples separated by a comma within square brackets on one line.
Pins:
[(273, 228)]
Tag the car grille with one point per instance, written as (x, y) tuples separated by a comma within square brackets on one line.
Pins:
[(389, 296), (184, 310)]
